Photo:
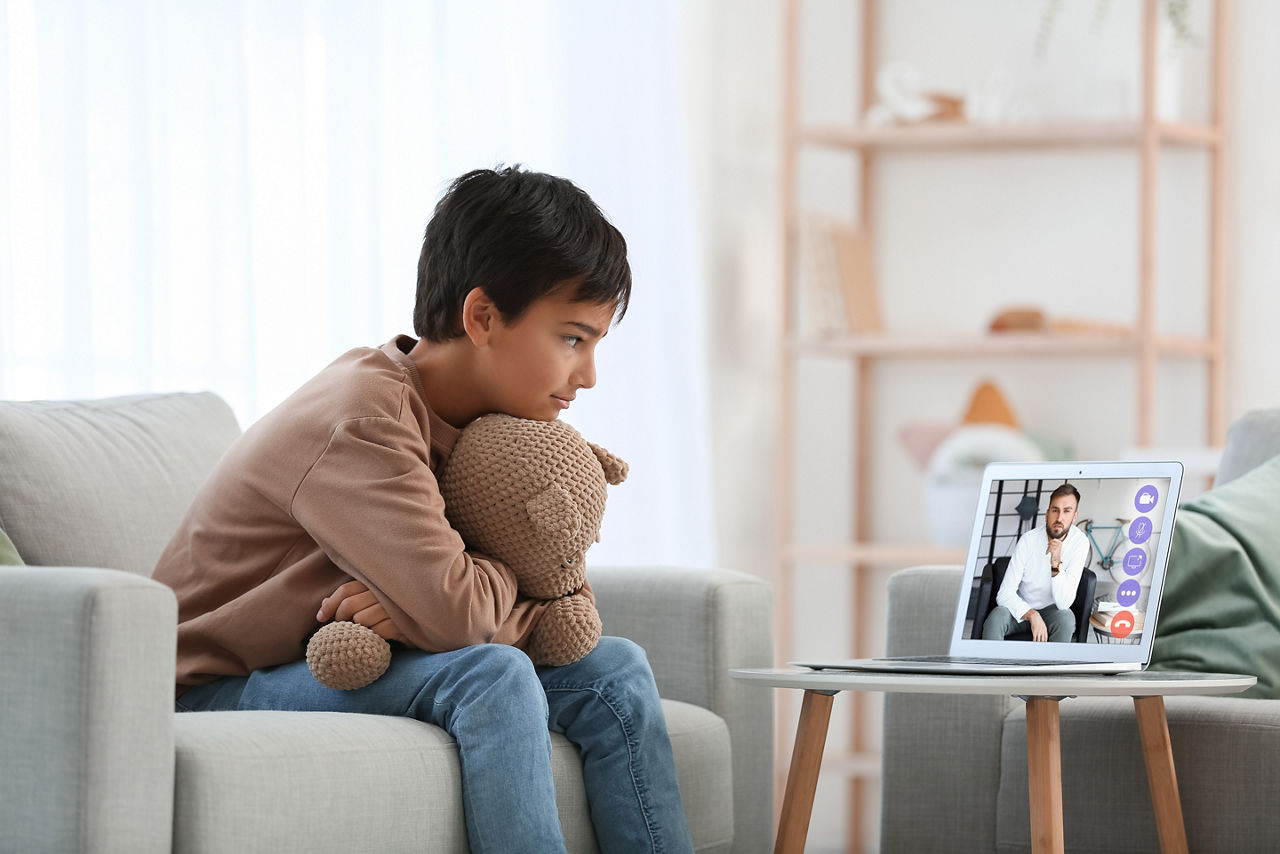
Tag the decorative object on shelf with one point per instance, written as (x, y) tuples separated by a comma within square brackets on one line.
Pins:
[(842, 286), (987, 405), (989, 102), (955, 475), (1031, 319), (902, 99), (954, 456)]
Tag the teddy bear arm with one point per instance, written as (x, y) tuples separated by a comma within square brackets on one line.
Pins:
[(568, 630)]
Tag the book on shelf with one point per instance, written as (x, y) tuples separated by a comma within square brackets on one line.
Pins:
[(838, 277)]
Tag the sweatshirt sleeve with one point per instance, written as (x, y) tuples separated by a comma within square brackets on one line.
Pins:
[(372, 503), (1007, 596)]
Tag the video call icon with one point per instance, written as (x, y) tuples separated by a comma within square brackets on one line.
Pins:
[(1128, 592), (1146, 499), (1139, 530), (1135, 560)]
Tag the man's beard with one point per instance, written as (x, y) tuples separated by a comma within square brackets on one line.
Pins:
[(1060, 536)]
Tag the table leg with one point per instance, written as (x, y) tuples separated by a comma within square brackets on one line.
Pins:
[(1044, 771), (802, 779), (1153, 729)]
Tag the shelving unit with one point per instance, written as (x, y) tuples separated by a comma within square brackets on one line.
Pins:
[(1146, 136)]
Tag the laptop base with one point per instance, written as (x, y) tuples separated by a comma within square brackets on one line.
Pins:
[(968, 666)]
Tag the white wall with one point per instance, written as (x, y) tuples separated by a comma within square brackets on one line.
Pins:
[(960, 237)]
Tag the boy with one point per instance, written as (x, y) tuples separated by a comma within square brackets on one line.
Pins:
[(334, 492)]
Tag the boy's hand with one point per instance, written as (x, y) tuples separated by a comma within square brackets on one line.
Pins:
[(353, 601)]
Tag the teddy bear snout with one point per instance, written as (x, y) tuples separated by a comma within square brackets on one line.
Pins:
[(574, 571)]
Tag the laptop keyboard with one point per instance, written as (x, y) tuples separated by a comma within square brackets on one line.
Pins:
[(955, 659)]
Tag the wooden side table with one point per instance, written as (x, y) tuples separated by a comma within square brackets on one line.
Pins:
[(1044, 755)]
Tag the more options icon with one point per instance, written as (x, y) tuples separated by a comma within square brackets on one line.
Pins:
[(1128, 592)]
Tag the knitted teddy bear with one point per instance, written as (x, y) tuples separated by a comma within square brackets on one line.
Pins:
[(530, 494)]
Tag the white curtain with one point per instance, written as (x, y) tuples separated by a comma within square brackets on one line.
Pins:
[(228, 195)]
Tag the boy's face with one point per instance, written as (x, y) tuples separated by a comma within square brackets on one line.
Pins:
[(536, 364)]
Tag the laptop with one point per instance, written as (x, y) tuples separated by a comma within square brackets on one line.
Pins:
[(1120, 531)]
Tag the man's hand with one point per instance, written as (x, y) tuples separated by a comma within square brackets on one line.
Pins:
[(1039, 631), (1054, 551), (353, 601)]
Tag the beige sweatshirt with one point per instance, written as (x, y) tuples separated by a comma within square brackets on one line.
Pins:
[(337, 482)]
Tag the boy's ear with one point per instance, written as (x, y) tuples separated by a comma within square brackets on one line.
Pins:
[(478, 316), (553, 511), (615, 469)]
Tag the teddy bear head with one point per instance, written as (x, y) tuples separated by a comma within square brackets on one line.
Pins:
[(530, 494)]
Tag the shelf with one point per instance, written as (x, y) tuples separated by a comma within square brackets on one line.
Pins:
[(1005, 344), (876, 553), (961, 135)]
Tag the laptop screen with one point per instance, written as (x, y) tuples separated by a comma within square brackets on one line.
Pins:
[(1066, 561)]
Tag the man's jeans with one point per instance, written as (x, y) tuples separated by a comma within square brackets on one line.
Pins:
[(1060, 623), (499, 708)]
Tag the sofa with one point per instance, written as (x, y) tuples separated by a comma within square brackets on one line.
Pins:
[(93, 757), (955, 767)]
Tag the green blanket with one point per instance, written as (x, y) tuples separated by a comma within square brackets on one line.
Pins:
[(1221, 606), (8, 554)]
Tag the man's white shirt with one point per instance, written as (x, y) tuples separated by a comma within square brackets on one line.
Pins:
[(1029, 582)]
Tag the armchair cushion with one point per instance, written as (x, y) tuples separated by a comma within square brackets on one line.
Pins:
[(307, 781), (105, 482), (1222, 749)]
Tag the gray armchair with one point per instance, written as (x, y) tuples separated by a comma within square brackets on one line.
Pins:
[(95, 759)]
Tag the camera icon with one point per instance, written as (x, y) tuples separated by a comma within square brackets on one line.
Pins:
[(1146, 498)]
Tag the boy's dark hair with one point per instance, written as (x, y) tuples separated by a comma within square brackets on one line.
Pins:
[(517, 235), (1065, 489)]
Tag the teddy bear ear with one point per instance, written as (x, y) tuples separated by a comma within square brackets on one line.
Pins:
[(554, 512), (615, 470)]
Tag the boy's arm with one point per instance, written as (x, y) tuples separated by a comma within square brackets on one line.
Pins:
[(354, 601), (373, 505)]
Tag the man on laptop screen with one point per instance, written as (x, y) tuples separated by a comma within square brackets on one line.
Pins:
[(1044, 572)]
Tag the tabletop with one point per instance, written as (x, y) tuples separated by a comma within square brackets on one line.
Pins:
[(1145, 683)]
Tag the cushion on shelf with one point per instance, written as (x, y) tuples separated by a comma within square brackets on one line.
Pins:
[(1221, 608)]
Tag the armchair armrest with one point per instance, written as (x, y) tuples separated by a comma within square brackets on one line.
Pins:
[(695, 626), (86, 710), (941, 760)]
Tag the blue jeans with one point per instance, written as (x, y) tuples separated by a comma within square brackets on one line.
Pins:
[(499, 708)]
